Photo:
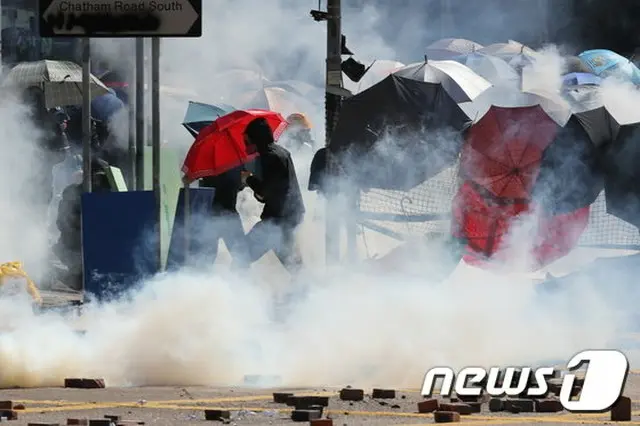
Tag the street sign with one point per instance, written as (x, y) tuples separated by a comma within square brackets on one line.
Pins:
[(120, 18)]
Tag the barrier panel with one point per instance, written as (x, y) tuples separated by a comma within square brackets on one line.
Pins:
[(119, 240)]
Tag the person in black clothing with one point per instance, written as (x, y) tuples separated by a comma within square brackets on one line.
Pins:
[(227, 224), (280, 192), (68, 248)]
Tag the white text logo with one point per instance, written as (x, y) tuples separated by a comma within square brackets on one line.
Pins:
[(604, 381)]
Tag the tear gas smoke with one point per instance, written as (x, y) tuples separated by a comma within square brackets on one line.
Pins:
[(23, 215), (369, 324)]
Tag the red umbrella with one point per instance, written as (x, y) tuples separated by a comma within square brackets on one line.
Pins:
[(503, 150), (220, 146), (484, 224)]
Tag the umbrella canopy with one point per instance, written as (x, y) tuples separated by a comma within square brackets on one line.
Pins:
[(573, 64), (460, 82), (503, 151), (502, 96), (60, 81), (220, 147), (622, 174), (199, 115), (507, 50), (278, 99), (485, 226), (605, 63), (448, 48), (516, 54), (377, 71), (493, 69), (522, 151), (580, 79), (399, 132)]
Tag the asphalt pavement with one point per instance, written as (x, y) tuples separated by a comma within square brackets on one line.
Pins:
[(172, 406)]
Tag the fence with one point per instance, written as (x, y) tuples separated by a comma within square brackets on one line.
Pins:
[(426, 209)]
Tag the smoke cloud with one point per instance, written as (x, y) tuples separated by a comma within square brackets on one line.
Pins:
[(23, 215), (381, 322)]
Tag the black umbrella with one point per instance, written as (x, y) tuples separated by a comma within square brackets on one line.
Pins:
[(572, 167), (622, 174), (404, 129)]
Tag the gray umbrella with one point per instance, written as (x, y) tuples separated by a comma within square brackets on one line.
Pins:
[(448, 48), (60, 81)]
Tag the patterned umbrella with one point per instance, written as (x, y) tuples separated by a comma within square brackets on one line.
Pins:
[(60, 81), (605, 63)]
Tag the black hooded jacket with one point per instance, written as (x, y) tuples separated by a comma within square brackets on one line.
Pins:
[(278, 188), (227, 186)]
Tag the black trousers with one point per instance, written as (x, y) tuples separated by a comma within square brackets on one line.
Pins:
[(226, 226), (279, 236)]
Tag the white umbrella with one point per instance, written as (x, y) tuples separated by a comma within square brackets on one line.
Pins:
[(448, 48), (493, 69), (516, 54), (60, 81), (277, 99), (459, 81)]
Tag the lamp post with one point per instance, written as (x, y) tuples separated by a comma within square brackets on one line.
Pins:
[(332, 109)]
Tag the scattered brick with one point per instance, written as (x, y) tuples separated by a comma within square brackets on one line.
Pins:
[(217, 415), (317, 408), (458, 407), (9, 414), (305, 415), (84, 383), (291, 401), (496, 404), (321, 422), (383, 394), (306, 402), (476, 407), (446, 417), (77, 422), (100, 422), (471, 398), (320, 400), (302, 402), (281, 397), (554, 386), (621, 410), (350, 394), (548, 405), (518, 405), (428, 405)]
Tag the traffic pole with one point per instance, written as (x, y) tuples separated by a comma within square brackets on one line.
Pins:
[(332, 109)]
